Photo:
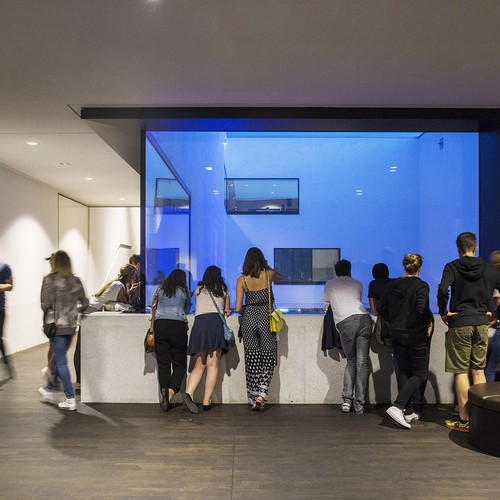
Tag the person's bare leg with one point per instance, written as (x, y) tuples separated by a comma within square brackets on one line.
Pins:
[(213, 359), (462, 385), (195, 376)]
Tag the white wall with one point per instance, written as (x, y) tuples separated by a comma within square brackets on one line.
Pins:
[(35, 222), (74, 236), (111, 231), (28, 234)]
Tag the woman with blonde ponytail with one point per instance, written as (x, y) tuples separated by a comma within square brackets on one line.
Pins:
[(114, 295), (405, 306)]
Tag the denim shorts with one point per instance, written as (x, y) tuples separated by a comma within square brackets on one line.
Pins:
[(466, 348)]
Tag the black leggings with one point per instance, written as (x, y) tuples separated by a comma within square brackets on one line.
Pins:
[(412, 354), (171, 352)]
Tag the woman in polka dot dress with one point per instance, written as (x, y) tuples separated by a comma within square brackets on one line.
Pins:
[(258, 341)]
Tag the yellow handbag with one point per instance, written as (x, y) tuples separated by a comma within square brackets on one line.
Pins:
[(276, 318), (277, 321)]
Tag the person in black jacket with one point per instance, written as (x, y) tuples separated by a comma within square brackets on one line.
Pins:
[(405, 306), (472, 283)]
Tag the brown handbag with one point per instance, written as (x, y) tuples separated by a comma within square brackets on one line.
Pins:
[(149, 340)]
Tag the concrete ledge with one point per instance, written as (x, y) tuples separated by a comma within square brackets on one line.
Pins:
[(115, 368)]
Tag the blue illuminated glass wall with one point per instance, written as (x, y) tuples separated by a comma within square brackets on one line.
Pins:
[(375, 196)]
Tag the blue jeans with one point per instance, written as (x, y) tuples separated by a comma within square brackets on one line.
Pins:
[(60, 345), (355, 336), (490, 371)]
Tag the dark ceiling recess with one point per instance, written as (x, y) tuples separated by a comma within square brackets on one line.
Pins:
[(121, 127)]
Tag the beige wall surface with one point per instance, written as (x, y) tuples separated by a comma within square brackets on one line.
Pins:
[(35, 222), (28, 234), (74, 236), (114, 235), (115, 368)]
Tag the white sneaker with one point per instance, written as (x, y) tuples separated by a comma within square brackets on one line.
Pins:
[(46, 373), (398, 416), (345, 407), (412, 417), (67, 404), (48, 396)]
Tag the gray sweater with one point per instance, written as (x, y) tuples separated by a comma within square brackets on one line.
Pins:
[(62, 298)]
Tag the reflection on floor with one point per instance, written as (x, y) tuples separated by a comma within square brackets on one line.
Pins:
[(287, 451)]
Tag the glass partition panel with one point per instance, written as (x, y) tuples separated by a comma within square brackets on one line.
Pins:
[(375, 196), (168, 211)]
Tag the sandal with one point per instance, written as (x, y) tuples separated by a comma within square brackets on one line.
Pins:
[(259, 404)]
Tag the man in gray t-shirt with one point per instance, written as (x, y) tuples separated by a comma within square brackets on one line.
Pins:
[(354, 325), (5, 286)]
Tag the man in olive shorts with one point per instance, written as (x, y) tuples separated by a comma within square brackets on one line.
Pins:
[(472, 283)]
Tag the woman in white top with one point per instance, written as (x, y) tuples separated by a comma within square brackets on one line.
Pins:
[(206, 342), (116, 291)]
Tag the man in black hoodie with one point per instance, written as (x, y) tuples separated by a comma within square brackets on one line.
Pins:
[(472, 283)]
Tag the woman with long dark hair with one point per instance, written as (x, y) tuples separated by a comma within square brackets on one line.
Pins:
[(170, 327), (258, 341), (62, 299), (405, 306), (206, 342)]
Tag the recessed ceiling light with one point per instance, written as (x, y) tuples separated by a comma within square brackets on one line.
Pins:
[(89, 178), (208, 168), (32, 143), (122, 199)]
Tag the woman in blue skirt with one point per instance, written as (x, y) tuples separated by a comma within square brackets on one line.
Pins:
[(206, 342)]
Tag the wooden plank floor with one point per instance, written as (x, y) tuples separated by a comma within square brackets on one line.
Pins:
[(287, 451)]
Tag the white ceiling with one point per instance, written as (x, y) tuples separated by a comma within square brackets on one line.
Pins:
[(361, 53)]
